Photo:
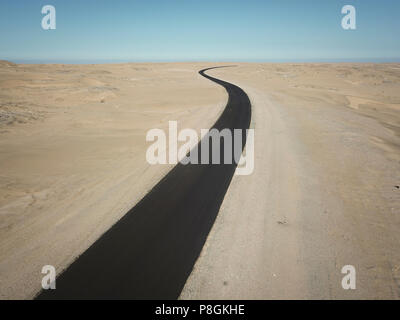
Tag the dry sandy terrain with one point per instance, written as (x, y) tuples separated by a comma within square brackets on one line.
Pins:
[(72, 154), (324, 192)]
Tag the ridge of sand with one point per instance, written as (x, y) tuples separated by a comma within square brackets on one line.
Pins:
[(5, 63)]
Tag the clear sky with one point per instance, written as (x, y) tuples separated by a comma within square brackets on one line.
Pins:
[(194, 30)]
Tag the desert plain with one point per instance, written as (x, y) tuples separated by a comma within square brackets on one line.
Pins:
[(325, 191)]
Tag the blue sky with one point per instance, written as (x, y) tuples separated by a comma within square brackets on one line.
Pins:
[(199, 30)]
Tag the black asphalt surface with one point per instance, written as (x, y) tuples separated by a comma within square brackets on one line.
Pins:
[(150, 252)]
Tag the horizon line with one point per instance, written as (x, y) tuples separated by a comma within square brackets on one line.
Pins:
[(121, 61)]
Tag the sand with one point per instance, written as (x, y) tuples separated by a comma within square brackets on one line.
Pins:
[(72, 154), (324, 193)]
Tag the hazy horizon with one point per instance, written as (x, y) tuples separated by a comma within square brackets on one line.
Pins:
[(84, 61)]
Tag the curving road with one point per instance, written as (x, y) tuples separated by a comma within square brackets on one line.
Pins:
[(151, 251)]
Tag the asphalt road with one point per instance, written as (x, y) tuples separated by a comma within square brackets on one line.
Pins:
[(151, 251)]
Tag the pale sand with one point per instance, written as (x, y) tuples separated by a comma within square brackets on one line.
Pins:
[(323, 193), (72, 154)]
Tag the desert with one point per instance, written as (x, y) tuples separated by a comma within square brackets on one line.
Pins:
[(72, 163), (324, 192)]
